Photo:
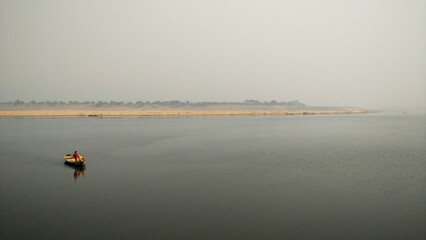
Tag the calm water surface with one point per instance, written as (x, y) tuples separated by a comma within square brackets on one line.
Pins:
[(294, 177)]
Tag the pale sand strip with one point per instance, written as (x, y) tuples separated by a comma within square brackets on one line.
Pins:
[(167, 112)]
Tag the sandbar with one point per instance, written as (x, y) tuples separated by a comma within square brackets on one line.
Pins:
[(165, 111)]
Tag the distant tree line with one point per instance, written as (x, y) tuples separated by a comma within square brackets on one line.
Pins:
[(173, 103)]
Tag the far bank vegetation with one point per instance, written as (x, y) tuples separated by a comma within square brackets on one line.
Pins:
[(137, 104)]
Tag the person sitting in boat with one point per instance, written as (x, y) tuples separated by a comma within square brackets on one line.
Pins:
[(76, 157)]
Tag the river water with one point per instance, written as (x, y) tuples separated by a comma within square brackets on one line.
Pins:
[(290, 177)]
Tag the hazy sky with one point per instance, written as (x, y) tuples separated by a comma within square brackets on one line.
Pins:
[(368, 53)]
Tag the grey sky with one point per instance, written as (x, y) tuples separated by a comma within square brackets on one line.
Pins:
[(347, 53)]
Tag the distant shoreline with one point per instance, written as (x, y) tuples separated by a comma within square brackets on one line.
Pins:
[(209, 111)]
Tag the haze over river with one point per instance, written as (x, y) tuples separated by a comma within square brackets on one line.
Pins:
[(273, 177)]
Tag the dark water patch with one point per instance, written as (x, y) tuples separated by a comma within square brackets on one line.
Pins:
[(296, 177)]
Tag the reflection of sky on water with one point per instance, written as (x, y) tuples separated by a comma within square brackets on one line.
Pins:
[(302, 177)]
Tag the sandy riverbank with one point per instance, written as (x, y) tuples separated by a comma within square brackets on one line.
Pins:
[(188, 111)]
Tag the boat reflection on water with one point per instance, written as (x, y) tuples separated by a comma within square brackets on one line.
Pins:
[(78, 170)]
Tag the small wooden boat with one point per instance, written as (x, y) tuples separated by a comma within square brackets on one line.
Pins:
[(70, 160)]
